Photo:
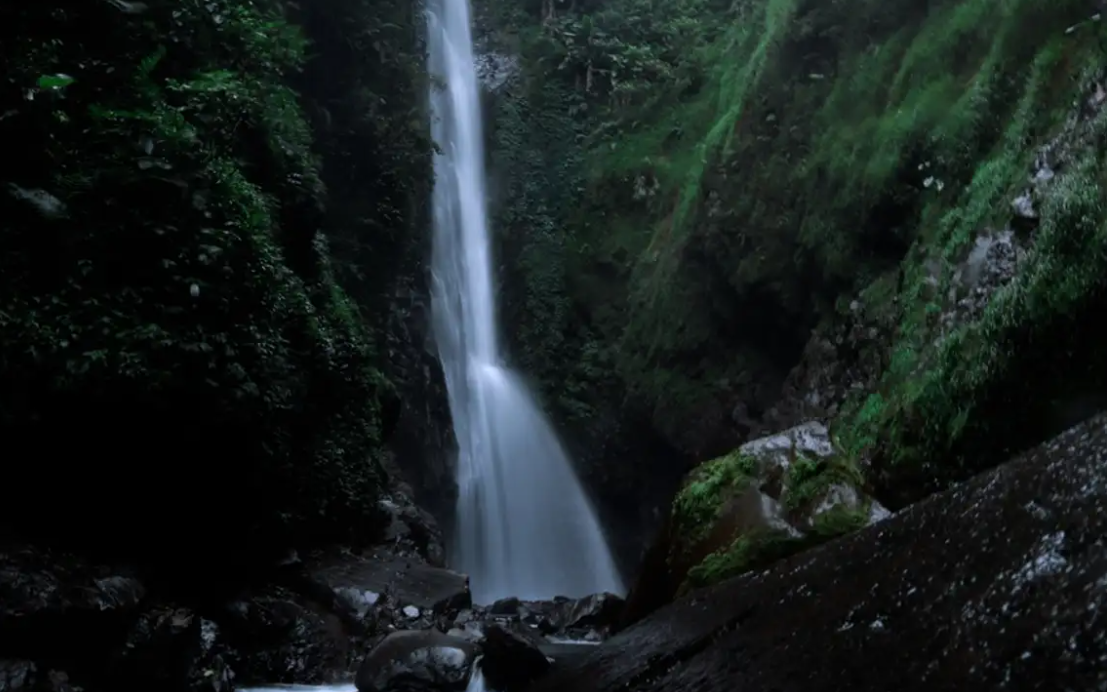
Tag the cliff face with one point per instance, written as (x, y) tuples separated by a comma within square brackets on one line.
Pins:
[(724, 219), (212, 215)]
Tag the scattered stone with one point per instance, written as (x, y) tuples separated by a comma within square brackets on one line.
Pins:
[(417, 660), (360, 601), (410, 611)]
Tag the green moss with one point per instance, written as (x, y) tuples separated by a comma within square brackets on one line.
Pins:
[(940, 408), (894, 105), (762, 547), (838, 520), (748, 552), (807, 480), (700, 500)]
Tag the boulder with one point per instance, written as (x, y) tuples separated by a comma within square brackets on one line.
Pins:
[(1000, 583), (770, 498), (505, 607), (596, 612), (571, 618), (408, 582), (417, 661), (510, 662)]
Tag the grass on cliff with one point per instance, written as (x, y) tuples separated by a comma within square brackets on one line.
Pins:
[(949, 407), (828, 146)]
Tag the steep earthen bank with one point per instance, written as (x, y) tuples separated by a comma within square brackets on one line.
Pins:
[(1000, 583)]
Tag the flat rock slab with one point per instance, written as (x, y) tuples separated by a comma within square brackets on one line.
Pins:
[(997, 584), (409, 582)]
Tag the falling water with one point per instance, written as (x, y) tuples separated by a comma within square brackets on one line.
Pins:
[(524, 525)]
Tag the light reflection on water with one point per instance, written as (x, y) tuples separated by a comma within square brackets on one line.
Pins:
[(344, 687)]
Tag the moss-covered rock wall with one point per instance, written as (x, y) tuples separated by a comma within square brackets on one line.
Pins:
[(774, 193)]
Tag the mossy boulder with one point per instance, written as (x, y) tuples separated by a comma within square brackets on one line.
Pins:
[(768, 499)]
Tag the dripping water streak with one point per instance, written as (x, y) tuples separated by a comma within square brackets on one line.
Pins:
[(524, 525)]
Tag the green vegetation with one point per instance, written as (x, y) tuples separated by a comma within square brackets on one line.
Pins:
[(707, 489), (807, 480), (750, 168), (175, 341), (748, 552)]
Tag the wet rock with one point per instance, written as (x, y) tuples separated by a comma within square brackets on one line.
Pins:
[(411, 661), (594, 612), (495, 70), (46, 204), (278, 636), (25, 676), (407, 523), (505, 607), (406, 581), (990, 264), (1000, 583), (469, 631), (173, 650), (510, 662), (770, 498), (565, 654)]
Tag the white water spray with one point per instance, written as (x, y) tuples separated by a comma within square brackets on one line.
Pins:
[(524, 525)]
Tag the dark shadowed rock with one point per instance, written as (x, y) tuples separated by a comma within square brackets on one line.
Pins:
[(24, 676), (417, 661), (597, 611), (566, 654), (172, 650), (505, 607), (510, 662), (278, 636), (56, 604), (408, 582), (1000, 583)]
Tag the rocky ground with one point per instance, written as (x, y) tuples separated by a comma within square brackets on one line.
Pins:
[(70, 624), (1000, 583)]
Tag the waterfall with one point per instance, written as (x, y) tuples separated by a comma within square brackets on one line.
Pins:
[(525, 527)]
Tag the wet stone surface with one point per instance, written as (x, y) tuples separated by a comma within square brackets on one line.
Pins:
[(1000, 583)]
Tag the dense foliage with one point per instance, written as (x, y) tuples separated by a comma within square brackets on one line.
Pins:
[(749, 169), (178, 353)]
